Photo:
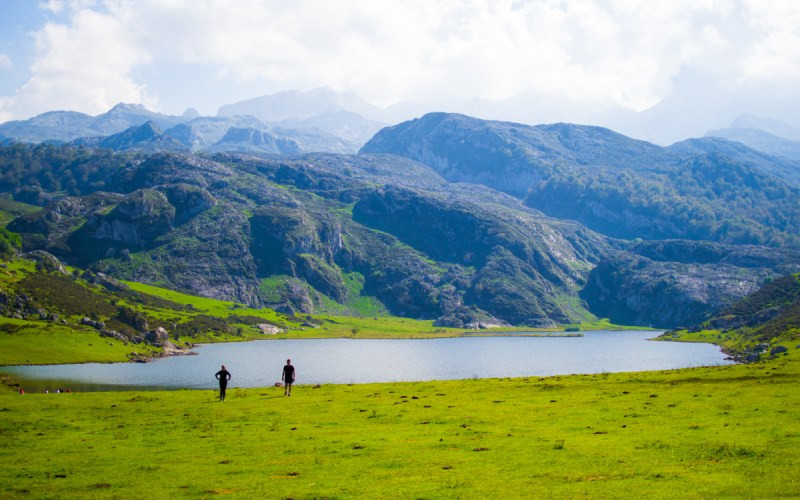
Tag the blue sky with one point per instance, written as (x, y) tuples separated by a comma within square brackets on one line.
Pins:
[(19, 18), (87, 55)]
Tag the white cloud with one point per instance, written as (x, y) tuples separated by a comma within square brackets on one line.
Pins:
[(5, 61), (622, 51), (85, 65)]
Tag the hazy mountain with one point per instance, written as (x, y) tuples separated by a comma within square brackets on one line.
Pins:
[(51, 126), (761, 141), (203, 132), (298, 105), (123, 116), (335, 131), (147, 138), (340, 114), (68, 125), (774, 127), (251, 140), (768, 136), (351, 127)]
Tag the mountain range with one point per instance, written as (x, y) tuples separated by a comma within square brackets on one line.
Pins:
[(335, 121), (462, 220), (317, 121)]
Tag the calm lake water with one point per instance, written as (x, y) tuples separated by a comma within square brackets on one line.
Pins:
[(326, 361)]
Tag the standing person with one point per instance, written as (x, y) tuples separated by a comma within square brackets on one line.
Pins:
[(288, 377), (223, 376)]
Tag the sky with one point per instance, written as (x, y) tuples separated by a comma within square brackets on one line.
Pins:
[(720, 57)]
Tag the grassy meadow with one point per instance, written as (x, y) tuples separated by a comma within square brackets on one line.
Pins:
[(729, 431)]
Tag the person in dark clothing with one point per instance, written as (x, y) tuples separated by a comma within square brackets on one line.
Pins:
[(223, 376), (288, 377)]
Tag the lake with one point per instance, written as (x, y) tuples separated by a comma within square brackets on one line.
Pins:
[(336, 361)]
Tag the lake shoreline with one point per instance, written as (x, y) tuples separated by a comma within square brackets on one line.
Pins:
[(328, 361), (147, 358)]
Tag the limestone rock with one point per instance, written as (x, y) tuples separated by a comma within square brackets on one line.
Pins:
[(157, 337), (268, 329), (96, 324), (47, 260)]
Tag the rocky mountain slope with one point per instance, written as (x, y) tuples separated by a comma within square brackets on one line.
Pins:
[(678, 282), (772, 309), (329, 232), (296, 233)]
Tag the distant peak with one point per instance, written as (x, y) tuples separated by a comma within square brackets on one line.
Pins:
[(191, 113), (123, 106)]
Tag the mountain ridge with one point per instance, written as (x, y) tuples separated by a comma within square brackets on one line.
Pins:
[(619, 186)]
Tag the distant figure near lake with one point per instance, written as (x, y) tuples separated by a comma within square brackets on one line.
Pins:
[(288, 377), (223, 376)]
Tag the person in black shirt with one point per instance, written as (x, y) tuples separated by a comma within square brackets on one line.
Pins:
[(223, 376), (288, 377)]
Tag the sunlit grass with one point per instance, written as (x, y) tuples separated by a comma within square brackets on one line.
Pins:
[(729, 431)]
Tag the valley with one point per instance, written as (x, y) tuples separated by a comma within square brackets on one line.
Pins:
[(131, 247)]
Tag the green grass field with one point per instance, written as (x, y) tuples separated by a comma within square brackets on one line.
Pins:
[(708, 432), (42, 342)]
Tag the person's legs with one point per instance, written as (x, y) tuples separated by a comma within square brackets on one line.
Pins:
[(289, 389), (222, 392)]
